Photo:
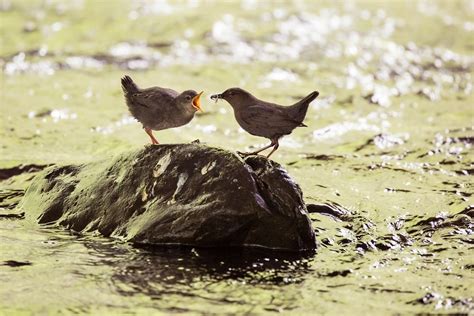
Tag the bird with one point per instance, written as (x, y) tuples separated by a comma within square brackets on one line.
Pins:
[(265, 119), (160, 108)]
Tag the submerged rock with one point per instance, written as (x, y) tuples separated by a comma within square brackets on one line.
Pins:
[(183, 194)]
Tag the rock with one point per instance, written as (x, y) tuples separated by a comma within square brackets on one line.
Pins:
[(182, 194)]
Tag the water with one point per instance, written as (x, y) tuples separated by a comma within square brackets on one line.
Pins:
[(388, 154), (73, 273)]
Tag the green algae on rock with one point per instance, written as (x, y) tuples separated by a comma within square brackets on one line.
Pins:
[(184, 194)]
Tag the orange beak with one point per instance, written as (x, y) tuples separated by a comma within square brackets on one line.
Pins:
[(197, 102)]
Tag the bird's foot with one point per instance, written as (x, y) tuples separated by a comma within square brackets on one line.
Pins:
[(150, 133)]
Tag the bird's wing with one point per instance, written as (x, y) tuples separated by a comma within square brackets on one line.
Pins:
[(273, 119), (154, 97), (267, 116)]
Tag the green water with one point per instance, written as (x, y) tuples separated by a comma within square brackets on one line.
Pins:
[(389, 140)]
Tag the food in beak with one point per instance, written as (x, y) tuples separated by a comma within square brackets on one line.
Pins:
[(215, 97), (197, 102)]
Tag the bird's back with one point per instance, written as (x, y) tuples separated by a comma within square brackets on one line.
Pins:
[(152, 107)]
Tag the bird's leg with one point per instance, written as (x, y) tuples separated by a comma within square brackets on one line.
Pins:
[(257, 151), (275, 147), (150, 133)]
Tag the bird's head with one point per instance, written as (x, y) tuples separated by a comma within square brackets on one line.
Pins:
[(235, 96), (190, 99)]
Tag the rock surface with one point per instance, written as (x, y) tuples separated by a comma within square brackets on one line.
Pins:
[(183, 194)]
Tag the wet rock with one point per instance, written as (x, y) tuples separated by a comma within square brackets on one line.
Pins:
[(187, 194), (13, 215), (336, 273), (334, 210), (6, 173), (463, 220), (9, 199)]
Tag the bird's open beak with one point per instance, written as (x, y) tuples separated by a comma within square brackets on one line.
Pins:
[(197, 102), (216, 97)]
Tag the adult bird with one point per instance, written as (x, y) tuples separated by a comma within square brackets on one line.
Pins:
[(265, 119), (160, 108)]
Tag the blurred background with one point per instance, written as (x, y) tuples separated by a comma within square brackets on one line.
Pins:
[(389, 138), (61, 63)]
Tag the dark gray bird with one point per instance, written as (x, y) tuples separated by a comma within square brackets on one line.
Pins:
[(160, 108), (265, 119)]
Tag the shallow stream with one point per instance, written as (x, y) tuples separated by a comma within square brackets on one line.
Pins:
[(386, 163)]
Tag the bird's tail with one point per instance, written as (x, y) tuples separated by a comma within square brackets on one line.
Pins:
[(300, 108), (128, 86)]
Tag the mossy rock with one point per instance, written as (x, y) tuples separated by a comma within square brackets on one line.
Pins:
[(182, 194)]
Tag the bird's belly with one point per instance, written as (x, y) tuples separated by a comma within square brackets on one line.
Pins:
[(169, 123), (155, 123), (263, 131), (160, 126), (254, 130), (249, 128), (157, 119)]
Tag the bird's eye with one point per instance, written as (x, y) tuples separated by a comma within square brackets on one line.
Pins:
[(188, 97)]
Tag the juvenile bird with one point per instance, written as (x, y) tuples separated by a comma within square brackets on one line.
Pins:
[(265, 119), (160, 108)]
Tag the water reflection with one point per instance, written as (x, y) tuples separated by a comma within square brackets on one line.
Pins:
[(149, 266), (171, 277)]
